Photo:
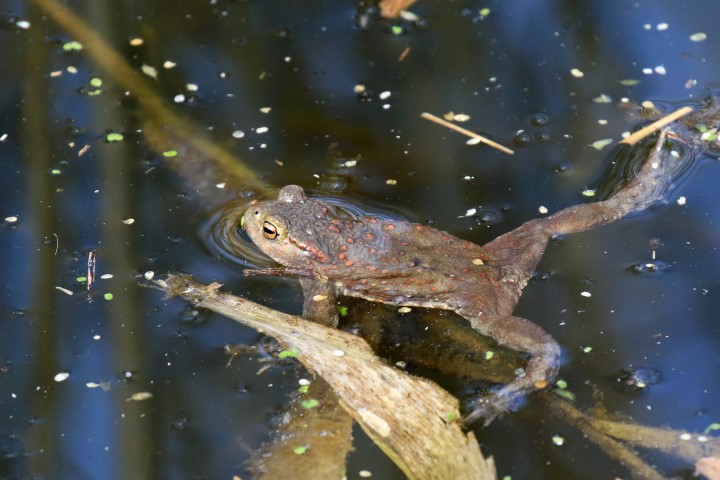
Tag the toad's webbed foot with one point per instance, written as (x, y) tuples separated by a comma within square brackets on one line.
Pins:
[(519, 334), (488, 407)]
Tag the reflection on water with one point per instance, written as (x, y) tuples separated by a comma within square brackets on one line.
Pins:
[(292, 96), (627, 160)]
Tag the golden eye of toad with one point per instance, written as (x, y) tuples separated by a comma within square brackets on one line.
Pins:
[(270, 231)]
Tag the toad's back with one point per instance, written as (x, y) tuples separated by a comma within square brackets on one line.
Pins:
[(377, 259)]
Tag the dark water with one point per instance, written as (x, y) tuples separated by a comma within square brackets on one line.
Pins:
[(303, 59)]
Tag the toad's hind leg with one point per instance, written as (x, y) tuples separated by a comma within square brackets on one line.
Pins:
[(522, 335)]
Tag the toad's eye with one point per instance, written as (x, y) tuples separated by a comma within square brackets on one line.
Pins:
[(270, 231)]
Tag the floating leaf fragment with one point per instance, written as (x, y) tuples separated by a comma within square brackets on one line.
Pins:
[(72, 46), (114, 137), (602, 98), (341, 310), (293, 353), (139, 397), (711, 427), (566, 394), (558, 440), (300, 450), (577, 73), (150, 71), (629, 82), (698, 37), (588, 192), (600, 144), (170, 153), (310, 403)]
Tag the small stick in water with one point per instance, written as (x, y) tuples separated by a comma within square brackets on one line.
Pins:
[(433, 118), (656, 125)]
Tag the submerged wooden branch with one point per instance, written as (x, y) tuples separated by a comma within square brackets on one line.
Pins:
[(620, 452), (311, 442), (199, 159), (686, 445), (412, 419)]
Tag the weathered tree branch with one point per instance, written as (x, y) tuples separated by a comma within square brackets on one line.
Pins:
[(411, 419)]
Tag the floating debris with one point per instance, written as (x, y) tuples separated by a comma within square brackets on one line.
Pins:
[(72, 46), (114, 137), (600, 144), (602, 98), (310, 403), (139, 397), (150, 71), (61, 377)]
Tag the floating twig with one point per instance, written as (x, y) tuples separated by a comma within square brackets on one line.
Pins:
[(452, 126), (656, 125)]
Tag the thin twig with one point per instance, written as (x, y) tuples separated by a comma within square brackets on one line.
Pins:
[(452, 126), (656, 125)]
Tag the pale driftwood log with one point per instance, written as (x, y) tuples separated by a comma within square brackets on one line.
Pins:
[(413, 420)]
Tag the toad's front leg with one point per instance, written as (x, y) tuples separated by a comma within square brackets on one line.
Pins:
[(519, 334)]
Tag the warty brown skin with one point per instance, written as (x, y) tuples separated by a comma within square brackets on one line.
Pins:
[(405, 263)]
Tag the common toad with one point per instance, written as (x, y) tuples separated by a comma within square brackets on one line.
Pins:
[(405, 263)]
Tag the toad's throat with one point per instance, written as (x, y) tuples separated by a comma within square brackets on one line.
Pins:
[(318, 254)]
